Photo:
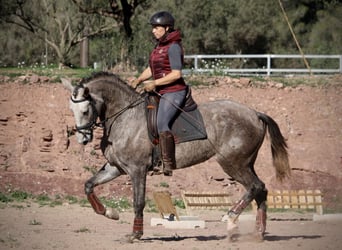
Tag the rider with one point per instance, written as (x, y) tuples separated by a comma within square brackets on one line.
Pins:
[(165, 68)]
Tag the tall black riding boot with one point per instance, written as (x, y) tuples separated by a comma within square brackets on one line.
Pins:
[(167, 146)]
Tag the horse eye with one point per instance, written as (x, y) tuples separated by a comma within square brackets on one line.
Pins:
[(85, 113)]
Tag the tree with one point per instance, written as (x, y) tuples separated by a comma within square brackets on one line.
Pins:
[(121, 12), (58, 23), (118, 30)]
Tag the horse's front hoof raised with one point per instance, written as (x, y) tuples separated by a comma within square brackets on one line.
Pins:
[(111, 213)]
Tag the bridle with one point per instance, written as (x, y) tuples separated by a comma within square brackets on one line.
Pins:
[(92, 124)]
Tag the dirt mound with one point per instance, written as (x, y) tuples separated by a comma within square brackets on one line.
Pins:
[(37, 155)]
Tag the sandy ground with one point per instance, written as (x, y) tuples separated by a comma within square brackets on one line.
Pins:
[(29, 226)]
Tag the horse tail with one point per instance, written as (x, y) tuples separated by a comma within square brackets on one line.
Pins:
[(278, 147)]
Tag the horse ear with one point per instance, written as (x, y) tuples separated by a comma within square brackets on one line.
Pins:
[(86, 92), (67, 84)]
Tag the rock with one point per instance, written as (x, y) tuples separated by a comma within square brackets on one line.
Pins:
[(34, 79), (245, 82)]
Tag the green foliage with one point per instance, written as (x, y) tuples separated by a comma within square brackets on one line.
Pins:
[(34, 222), (208, 27), (179, 203), (20, 195), (90, 169), (84, 203), (53, 72), (83, 230), (150, 206), (118, 203), (16, 195), (5, 198), (43, 199), (71, 199), (164, 184)]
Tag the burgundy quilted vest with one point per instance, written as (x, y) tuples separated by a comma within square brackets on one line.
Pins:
[(160, 64)]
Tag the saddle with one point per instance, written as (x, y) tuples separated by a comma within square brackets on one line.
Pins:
[(187, 126)]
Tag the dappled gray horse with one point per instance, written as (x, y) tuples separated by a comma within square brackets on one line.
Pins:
[(234, 135)]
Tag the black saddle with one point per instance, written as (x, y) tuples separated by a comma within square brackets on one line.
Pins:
[(187, 126)]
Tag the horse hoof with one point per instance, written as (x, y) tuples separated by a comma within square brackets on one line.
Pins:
[(167, 172), (135, 236), (231, 224), (111, 214), (233, 234), (259, 236)]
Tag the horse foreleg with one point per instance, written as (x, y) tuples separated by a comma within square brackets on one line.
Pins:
[(139, 189), (236, 210), (106, 173)]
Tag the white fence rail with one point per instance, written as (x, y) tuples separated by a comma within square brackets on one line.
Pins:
[(266, 69)]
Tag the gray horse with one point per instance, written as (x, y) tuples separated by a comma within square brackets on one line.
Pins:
[(234, 135)]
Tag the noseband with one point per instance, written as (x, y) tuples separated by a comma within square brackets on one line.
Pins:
[(92, 124)]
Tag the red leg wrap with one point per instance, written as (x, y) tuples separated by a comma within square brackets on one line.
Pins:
[(260, 225), (96, 204), (238, 207), (138, 226)]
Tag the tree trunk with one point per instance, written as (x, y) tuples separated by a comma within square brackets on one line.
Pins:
[(84, 57)]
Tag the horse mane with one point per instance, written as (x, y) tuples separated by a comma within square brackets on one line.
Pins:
[(111, 79), (99, 74)]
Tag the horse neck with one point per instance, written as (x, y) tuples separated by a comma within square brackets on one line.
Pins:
[(116, 96)]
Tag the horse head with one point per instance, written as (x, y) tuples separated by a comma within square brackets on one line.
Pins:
[(85, 108)]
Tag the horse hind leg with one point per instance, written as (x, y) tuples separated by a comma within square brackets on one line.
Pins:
[(106, 173), (255, 189), (261, 217)]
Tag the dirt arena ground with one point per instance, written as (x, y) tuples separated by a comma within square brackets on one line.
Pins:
[(29, 226)]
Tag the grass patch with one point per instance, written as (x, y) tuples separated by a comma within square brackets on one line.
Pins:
[(92, 170), (84, 203), (179, 203), (164, 184), (5, 198), (71, 199), (120, 204), (20, 195), (53, 72), (34, 222), (82, 230), (150, 206)]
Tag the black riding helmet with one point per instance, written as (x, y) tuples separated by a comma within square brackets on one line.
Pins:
[(162, 18)]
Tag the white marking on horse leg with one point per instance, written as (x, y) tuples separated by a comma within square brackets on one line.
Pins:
[(111, 213), (231, 223), (232, 229)]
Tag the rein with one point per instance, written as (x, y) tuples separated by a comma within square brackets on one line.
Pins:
[(92, 124), (129, 106)]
